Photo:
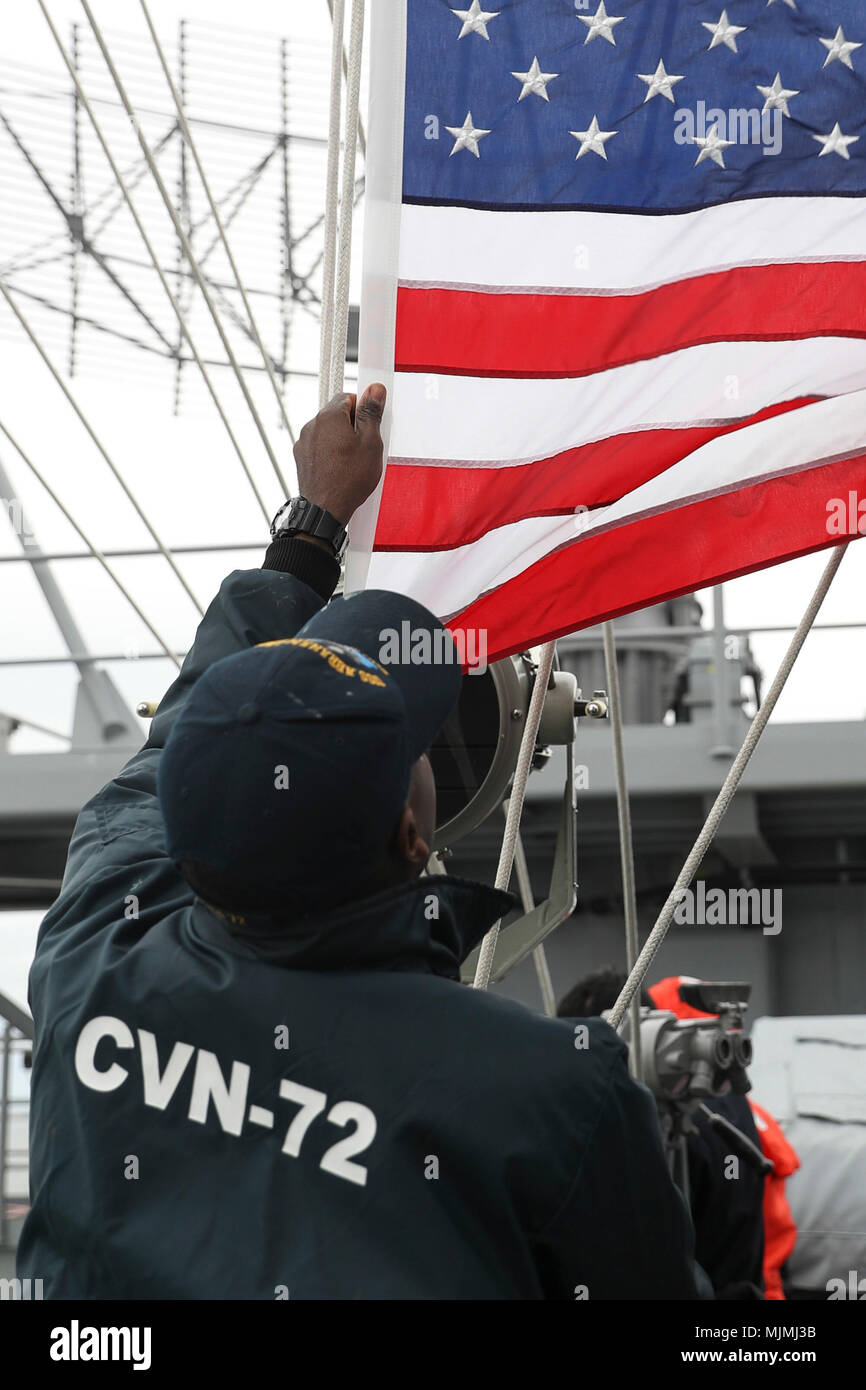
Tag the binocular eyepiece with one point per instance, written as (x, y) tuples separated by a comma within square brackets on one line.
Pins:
[(694, 1058), (731, 1049)]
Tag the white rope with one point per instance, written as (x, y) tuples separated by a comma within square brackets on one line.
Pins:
[(626, 849), (97, 554), (97, 441), (515, 805), (330, 223), (182, 237), (723, 800), (127, 198), (362, 139), (347, 200), (188, 137), (539, 955)]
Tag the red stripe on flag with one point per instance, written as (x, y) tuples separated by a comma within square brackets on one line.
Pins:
[(473, 333), (440, 507), (660, 556)]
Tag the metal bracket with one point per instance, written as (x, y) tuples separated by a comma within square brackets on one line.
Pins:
[(520, 938)]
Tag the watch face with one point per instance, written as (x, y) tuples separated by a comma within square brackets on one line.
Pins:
[(303, 517), (282, 516)]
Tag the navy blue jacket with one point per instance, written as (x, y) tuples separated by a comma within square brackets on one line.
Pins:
[(227, 1108)]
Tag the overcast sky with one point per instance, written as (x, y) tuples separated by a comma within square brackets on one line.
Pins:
[(190, 484), (183, 471)]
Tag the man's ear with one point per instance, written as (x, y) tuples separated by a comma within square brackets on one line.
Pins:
[(412, 848)]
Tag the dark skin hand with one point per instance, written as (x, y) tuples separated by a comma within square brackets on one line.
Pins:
[(339, 454), (339, 461)]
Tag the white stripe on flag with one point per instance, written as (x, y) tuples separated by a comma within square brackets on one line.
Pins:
[(619, 252), (447, 581), (500, 420)]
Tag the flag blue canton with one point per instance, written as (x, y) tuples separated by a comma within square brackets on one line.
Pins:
[(591, 121)]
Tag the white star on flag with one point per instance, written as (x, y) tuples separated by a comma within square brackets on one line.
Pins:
[(592, 139), (660, 83), (724, 32), (600, 25), (475, 20), (534, 81), (835, 142), (840, 48), (466, 136), (712, 148), (777, 96), (787, 2)]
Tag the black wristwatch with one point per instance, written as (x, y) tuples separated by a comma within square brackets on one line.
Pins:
[(299, 515)]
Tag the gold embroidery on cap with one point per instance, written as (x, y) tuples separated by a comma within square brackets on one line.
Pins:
[(334, 661)]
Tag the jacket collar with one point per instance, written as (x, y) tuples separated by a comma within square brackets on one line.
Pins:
[(429, 926)]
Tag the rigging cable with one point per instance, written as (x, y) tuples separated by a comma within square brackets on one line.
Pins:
[(154, 258), (96, 553), (723, 800), (97, 441), (193, 149), (182, 237)]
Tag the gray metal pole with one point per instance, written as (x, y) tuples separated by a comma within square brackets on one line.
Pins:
[(16, 1016), (69, 629), (77, 228), (724, 748), (182, 288), (106, 701), (287, 274), (5, 1041), (85, 659), (626, 850)]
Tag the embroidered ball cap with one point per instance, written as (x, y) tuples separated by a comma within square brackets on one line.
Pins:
[(289, 766)]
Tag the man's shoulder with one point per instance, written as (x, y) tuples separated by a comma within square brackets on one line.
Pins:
[(550, 1045)]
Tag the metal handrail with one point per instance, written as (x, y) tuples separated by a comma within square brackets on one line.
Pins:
[(130, 551), (628, 637), (15, 1022), (17, 1016)]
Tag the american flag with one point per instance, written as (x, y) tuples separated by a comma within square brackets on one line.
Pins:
[(615, 260)]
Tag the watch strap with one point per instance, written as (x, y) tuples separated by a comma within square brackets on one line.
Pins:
[(299, 515)]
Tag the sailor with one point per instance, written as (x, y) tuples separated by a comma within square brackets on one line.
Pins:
[(778, 1229), (256, 1074), (744, 1231)]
